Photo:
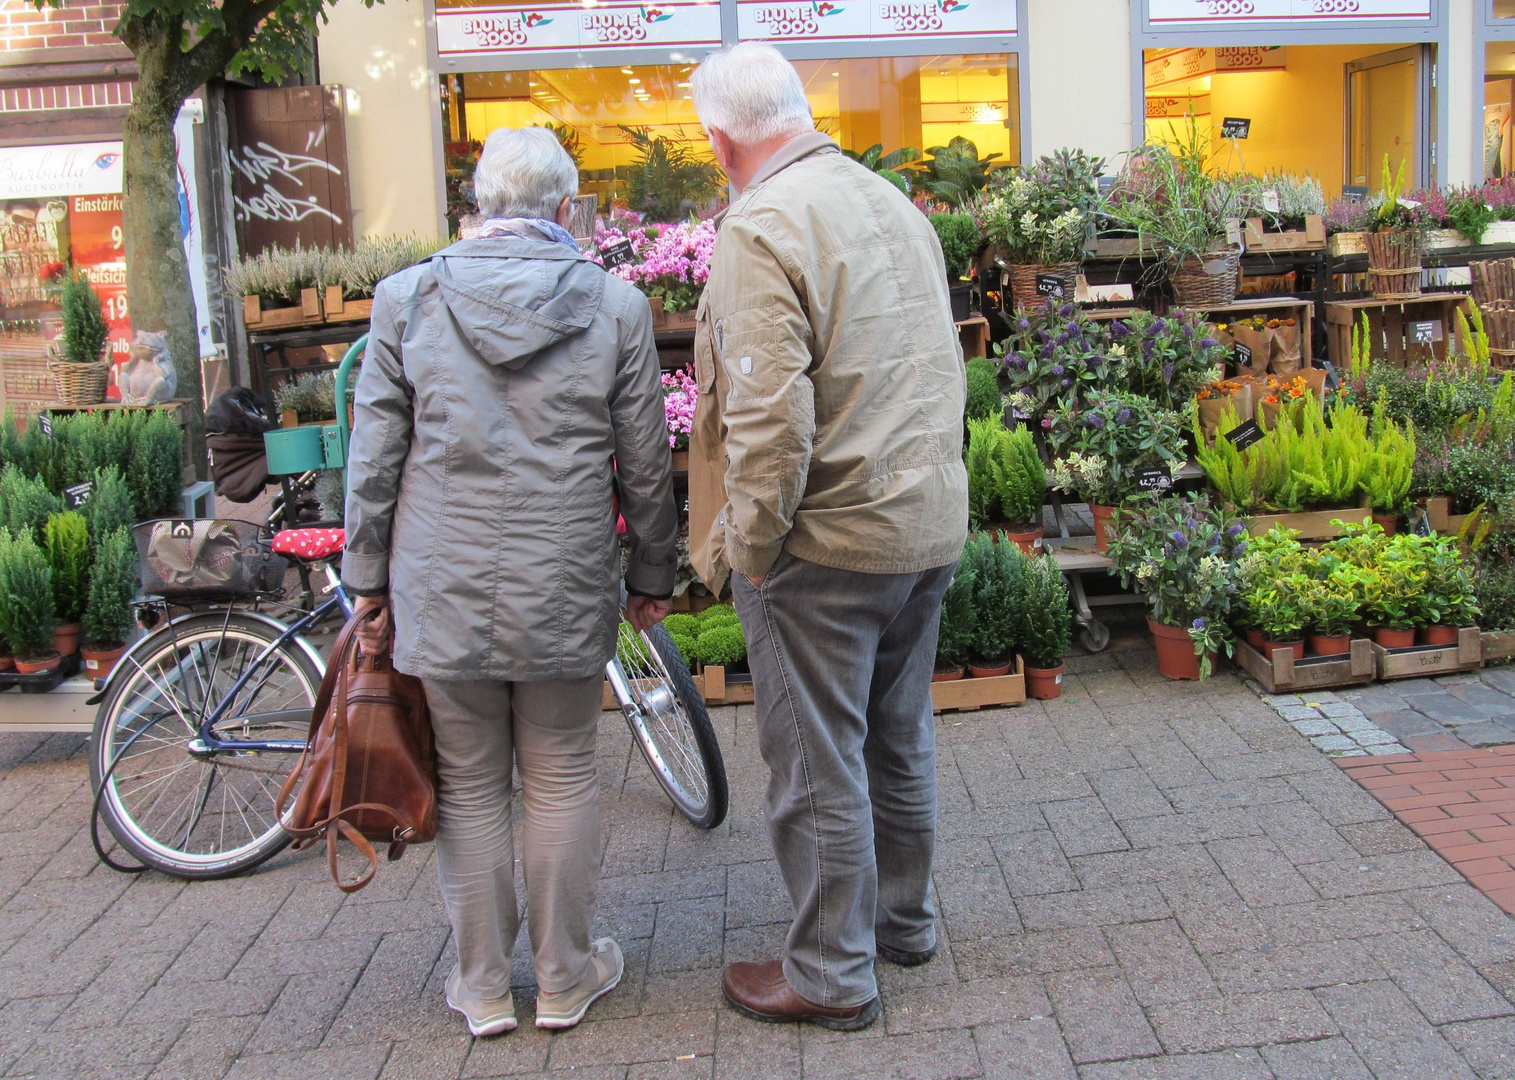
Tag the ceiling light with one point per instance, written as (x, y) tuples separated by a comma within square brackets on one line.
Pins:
[(683, 85), (634, 82), (531, 84), (627, 71), (834, 73)]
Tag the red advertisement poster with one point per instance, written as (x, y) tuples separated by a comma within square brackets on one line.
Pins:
[(95, 242)]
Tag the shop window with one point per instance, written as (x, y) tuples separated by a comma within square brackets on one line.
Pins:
[(1498, 105), (896, 102), (1504, 9)]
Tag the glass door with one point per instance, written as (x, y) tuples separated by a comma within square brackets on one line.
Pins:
[(1389, 112)]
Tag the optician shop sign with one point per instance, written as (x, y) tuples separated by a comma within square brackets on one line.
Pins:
[(78, 169), (572, 25), (1177, 12), (854, 20)]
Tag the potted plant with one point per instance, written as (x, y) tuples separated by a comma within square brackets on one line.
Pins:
[(1393, 591), (350, 276), (1181, 554), (1388, 469), (108, 611), (997, 571), (25, 503), (1274, 555), (1330, 608), (1007, 482), (79, 368), (26, 592), (954, 173), (959, 238), (984, 397), (307, 399), (957, 625), (1167, 359), (278, 286), (1052, 357), (1044, 627), (680, 394), (1450, 600), (1396, 239), (1037, 222), (66, 541), (672, 268), (1110, 449), (1275, 609)]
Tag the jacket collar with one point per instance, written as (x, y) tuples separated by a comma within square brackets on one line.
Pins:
[(801, 146)]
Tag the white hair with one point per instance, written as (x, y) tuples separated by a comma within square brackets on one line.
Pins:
[(752, 94), (524, 172)]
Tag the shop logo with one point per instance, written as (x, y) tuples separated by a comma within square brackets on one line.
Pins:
[(534, 18), (916, 17), (105, 161), (951, 6), (655, 14), (822, 10)]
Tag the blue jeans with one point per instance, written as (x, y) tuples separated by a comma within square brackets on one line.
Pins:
[(841, 667)]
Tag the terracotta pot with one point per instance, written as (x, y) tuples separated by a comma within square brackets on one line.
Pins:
[(1254, 637), (659, 320), (98, 663), (1298, 648), (1044, 683), (1388, 522), (1393, 639), (1437, 634), (7, 663), (1176, 658), (66, 639), (681, 460), (988, 672), (1029, 539), (947, 676), (1102, 530), (37, 665), (1335, 645)]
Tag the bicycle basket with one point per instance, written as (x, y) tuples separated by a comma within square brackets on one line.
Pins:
[(186, 558)]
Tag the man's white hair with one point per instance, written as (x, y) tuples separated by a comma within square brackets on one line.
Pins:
[(524, 172), (750, 92)]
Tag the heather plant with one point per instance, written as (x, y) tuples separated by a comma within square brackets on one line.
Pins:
[(276, 275), (359, 270), (311, 397)]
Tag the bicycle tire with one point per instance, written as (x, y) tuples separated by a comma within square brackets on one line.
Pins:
[(678, 743), (145, 706)]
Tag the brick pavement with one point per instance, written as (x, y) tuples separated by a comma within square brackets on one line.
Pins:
[(1140, 880)]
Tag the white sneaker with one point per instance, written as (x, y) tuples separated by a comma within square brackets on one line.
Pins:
[(484, 1017), (567, 1008)]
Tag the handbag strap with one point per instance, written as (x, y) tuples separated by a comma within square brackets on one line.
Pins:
[(340, 659)]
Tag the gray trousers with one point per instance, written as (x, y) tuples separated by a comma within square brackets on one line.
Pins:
[(549, 728), (841, 667)]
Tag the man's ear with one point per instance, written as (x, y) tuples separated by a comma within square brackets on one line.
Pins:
[(565, 211), (720, 144)]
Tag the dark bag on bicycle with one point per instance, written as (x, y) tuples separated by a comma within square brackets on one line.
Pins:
[(369, 771)]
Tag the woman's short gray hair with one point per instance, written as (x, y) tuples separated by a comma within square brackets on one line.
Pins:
[(524, 172), (752, 94)]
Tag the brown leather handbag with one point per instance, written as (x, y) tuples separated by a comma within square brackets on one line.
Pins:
[(369, 770)]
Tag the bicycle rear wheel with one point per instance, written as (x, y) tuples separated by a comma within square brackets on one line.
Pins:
[(667, 717), (170, 802)]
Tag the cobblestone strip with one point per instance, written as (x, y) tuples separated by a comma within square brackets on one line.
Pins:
[(1334, 726)]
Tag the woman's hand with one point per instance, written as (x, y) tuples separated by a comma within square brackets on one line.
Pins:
[(643, 612), (376, 634)]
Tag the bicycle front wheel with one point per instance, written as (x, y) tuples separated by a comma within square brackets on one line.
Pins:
[(669, 722), (168, 799)]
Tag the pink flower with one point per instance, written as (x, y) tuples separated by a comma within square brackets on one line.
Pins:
[(680, 395)]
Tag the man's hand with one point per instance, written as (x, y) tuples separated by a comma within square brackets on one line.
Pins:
[(375, 635), (643, 612)]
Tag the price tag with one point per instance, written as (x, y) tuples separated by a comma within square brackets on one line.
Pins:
[(1269, 200), (1422, 526), (1354, 191), (1233, 233), (1155, 478), (1235, 127), (45, 422), (1244, 435), (1050, 285), (1243, 355), (1423, 333), (79, 494), (617, 254)]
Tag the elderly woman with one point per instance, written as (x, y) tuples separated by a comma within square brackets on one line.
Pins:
[(510, 386)]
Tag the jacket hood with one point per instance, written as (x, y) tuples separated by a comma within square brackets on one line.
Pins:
[(511, 298)]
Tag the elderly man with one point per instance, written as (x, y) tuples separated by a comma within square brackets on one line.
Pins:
[(503, 377), (827, 476)]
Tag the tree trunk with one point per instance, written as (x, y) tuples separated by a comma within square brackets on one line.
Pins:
[(157, 275)]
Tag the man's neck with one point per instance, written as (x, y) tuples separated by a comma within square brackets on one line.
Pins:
[(747, 160)]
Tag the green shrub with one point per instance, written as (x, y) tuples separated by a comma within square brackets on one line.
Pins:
[(723, 644), (1043, 627), (718, 615), (959, 620), (1495, 585), (685, 645), (1020, 478), (157, 464), (84, 328), (681, 622), (959, 236), (998, 572), (66, 541), (984, 437), (25, 503), (109, 506), (112, 584), (984, 398), (26, 593)]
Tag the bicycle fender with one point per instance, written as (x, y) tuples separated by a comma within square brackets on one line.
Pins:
[(102, 686)]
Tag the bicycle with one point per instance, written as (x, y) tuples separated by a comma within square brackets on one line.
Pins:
[(202, 720)]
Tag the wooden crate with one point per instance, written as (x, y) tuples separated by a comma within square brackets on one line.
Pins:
[(257, 317), (1281, 673), (1391, 327), (1423, 661), (974, 334), (721, 689), (337, 310), (1121, 247), (965, 695), (1348, 243), (1312, 525), (1497, 644), (1301, 310), (1311, 238)]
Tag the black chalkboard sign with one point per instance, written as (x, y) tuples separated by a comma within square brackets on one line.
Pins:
[(1422, 526), (1050, 285), (1354, 191), (1244, 435), (45, 422), (1243, 355), (79, 494), (1155, 478), (1235, 127), (1423, 333), (617, 254)]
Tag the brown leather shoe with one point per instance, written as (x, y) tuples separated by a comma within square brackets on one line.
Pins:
[(761, 992)]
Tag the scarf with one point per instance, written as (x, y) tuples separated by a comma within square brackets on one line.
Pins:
[(527, 229)]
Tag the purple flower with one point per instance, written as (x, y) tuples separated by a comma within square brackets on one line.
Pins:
[(1236, 530), (1179, 539), (1047, 423), (1168, 372), (1075, 329), (1057, 369), (1065, 312), (1240, 549), (1096, 420), (1023, 325), (1067, 382), (1061, 339), (1120, 331), (1018, 363), (1122, 416), (1208, 343), (1092, 362), (1199, 624)]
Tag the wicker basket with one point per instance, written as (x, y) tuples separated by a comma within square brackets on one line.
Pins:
[(1023, 277), (80, 384), (1393, 265), (1210, 281)]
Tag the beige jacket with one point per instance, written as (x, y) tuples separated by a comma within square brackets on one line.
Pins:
[(830, 418)]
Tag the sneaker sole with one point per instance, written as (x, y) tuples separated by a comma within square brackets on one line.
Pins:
[(483, 1031), (865, 1017), (558, 1023)]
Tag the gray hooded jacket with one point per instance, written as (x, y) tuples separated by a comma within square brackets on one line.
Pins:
[(503, 378)]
